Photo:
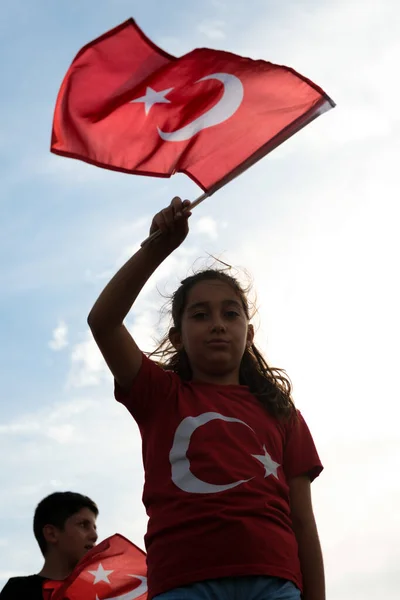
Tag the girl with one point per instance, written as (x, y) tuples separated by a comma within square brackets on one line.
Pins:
[(228, 460)]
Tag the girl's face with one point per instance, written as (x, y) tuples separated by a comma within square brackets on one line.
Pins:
[(214, 332)]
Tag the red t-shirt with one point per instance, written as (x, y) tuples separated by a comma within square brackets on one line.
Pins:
[(216, 470)]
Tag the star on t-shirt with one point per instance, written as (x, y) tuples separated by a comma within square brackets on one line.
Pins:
[(270, 465)]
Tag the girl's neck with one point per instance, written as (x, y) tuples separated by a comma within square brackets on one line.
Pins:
[(216, 379)]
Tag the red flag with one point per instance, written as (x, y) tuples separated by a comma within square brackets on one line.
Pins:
[(49, 588), (113, 570), (126, 105)]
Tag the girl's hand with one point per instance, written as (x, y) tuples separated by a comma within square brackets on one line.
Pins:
[(173, 224)]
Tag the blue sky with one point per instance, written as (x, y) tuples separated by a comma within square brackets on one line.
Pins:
[(315, 224)]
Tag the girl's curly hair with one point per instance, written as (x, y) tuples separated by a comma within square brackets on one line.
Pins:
[(270, 385)]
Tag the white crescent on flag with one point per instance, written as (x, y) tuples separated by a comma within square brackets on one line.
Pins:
[(132, 595), (230, 101)]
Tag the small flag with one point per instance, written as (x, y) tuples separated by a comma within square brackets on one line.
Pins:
[(113, 570)]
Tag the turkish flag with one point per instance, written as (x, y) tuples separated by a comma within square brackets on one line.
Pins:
[(114, 570), (127, 105)]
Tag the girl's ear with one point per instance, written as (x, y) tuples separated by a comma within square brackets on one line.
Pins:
[(250, 336), (175, 338)]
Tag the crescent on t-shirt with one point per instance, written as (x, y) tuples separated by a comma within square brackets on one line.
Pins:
[(216, 489)]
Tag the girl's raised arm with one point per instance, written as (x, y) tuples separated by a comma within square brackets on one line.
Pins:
[(106, 318)]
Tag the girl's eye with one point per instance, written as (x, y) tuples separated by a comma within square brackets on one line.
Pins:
[(232, 314), (199, 316)]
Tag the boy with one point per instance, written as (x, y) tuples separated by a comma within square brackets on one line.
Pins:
[(65, 529)]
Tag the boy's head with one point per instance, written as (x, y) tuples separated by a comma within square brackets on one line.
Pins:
[(65, 523)]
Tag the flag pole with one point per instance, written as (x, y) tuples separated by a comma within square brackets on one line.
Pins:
[(324, 104), (193, 204)]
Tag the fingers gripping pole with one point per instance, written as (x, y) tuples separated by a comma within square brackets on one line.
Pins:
[(195, 203)]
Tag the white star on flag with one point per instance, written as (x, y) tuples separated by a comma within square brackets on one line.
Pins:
[(152, 97), (270, 465), (100, 574)]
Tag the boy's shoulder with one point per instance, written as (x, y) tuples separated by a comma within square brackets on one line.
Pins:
[(29, 584)]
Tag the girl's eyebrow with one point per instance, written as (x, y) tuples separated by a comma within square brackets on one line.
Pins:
[(206, 304), (198, 305)]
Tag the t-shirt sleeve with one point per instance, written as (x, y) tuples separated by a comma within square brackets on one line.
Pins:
[(150, 390), (300, 454)]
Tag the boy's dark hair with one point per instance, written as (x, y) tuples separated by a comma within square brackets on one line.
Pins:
[(55, 510), (271, 386)]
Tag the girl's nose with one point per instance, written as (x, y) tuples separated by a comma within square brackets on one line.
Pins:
[(218, 328)]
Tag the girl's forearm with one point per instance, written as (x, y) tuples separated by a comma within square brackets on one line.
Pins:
[(117, 298), (311, 561)]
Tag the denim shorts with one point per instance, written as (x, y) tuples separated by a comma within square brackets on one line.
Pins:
[(235, 588)]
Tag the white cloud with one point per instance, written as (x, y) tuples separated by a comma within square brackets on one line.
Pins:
[(87, 364), (62, 434), (22, 427), (171, 44), (66, 171), (4, 575), (57, 483), (60, 337), (219, 5), (207, 226), (74, 423), (214, 30)]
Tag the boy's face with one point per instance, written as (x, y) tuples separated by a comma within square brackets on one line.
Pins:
[(77, 537)]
